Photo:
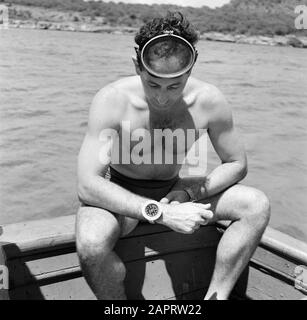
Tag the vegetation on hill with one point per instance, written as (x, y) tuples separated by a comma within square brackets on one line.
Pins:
[(250, 17)]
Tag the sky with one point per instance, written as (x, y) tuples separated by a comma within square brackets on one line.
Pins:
[(192, 3)]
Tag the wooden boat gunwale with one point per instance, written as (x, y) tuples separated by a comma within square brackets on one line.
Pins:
[(53, 237)]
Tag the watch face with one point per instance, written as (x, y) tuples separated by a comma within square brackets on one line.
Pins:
[(151, 210)]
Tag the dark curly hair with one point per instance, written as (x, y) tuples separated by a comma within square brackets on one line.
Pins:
[(173, 21)]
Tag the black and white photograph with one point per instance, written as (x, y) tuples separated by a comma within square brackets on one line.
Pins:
[(153, 150)]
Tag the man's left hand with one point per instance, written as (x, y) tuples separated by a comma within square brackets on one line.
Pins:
[(176, 197)]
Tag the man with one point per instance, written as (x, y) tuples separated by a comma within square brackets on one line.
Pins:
[(163, 96)]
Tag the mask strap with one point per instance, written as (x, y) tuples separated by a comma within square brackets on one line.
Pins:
[(169, 32), (196, 55), (138, 56)]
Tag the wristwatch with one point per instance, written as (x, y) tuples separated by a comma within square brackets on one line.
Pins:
[(190, 193), (152, 211)]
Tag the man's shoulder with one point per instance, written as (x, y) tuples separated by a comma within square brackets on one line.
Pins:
[(118, 90), (116, 94), (127, 83), (210, 101), (206, 93), (111, 102)]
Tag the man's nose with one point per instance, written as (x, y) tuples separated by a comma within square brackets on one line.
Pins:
[(162, 98)]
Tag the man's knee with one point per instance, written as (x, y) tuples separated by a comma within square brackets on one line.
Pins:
[(115, 268), (255, 207), (97, 232)]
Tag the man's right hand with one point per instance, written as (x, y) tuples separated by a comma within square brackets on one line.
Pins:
[(185, 217)]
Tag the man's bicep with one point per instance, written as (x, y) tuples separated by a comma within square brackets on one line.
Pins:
[(93, 158), (225, 138), (95, 152)]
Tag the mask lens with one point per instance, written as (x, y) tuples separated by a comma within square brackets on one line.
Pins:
[(168, 56)]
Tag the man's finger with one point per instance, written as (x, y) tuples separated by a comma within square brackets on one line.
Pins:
[(202, 205), (168, 198), (204, 222), (207, 214), (164, 200)]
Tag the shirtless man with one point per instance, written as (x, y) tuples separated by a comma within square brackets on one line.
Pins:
[(162, 96)]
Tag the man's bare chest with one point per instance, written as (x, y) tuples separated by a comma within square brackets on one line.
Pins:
[(165, 140)]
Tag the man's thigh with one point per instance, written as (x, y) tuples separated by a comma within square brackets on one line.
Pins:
[(229, 204), (127, 224), (103, 223)]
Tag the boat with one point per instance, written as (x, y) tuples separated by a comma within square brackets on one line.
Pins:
[(42, 263)]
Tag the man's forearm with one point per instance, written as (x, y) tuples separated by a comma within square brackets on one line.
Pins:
[(219, 179), (102, 193)]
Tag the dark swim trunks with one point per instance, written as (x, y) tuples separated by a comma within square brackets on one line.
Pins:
[(151, 189)]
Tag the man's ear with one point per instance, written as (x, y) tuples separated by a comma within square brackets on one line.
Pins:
[(136, 65)]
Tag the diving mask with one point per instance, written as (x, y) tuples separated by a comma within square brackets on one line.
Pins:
[(167, 56)]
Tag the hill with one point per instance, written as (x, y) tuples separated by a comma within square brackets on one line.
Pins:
[(247, 17)]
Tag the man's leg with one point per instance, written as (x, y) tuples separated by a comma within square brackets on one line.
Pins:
[(97, 232), (249, 211)]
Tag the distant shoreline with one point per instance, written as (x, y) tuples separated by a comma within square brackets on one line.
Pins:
[(288, 40), (54, 18)]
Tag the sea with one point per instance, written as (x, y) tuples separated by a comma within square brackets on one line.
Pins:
[(49, 78)]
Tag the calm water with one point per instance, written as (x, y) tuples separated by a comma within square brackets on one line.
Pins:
[(47, 81)]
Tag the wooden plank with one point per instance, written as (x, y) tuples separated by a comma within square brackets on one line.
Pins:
[(73, 289), (272, 280), (280, 264), (262, 286), (35, 235), (39, 267)]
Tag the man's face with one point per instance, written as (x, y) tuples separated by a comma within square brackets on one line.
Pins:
[(163, 93), (164, 56)]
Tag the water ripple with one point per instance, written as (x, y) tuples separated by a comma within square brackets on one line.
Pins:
[(14, 163)]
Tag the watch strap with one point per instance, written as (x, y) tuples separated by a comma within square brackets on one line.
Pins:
[(190, 193)]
